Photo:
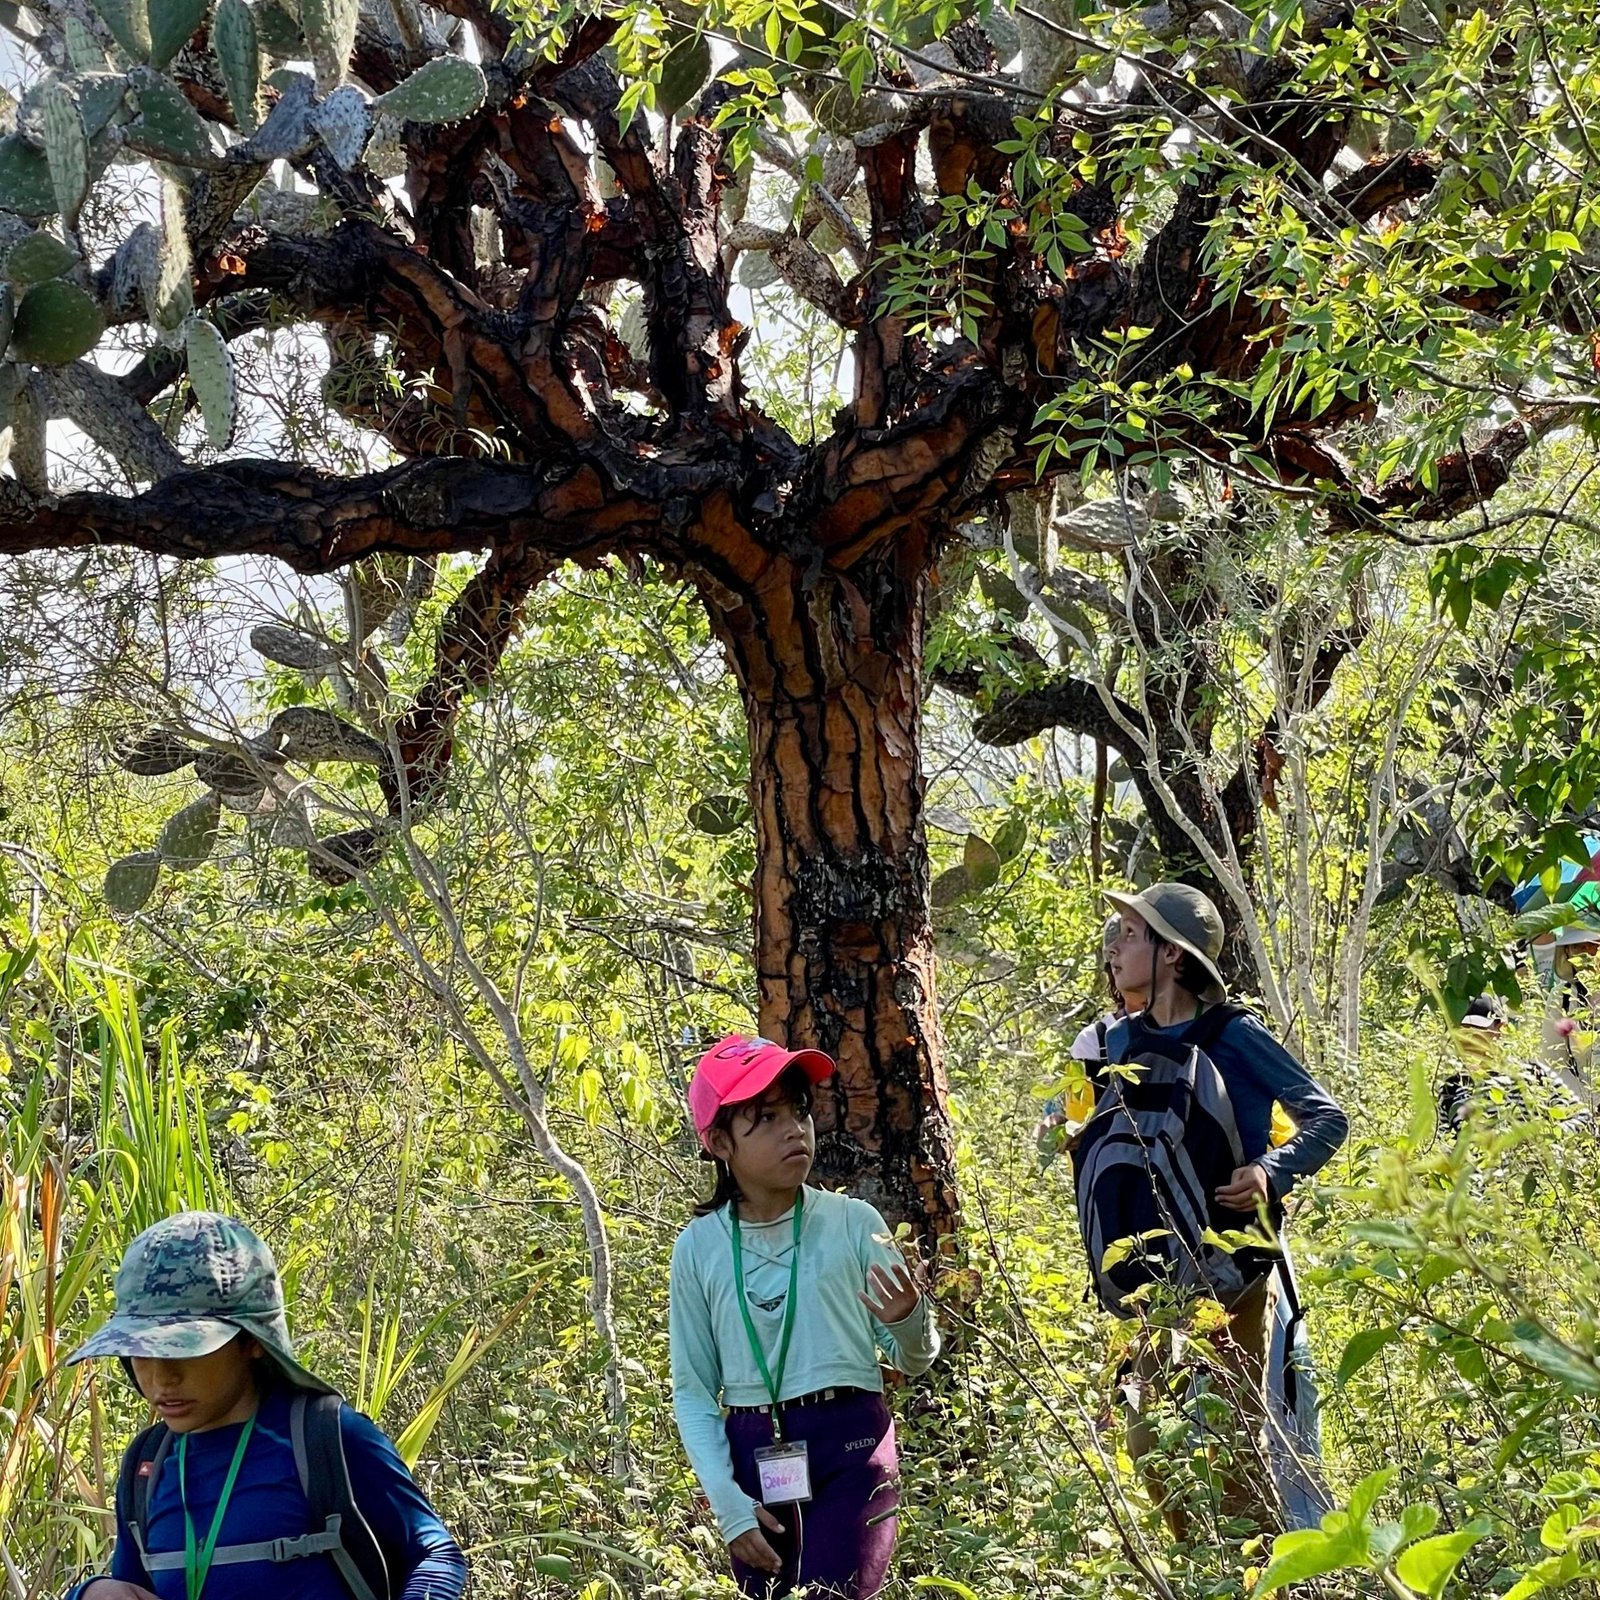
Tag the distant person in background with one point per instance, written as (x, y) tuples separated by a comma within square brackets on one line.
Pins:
[(1477, 1038), (1065, 1114)]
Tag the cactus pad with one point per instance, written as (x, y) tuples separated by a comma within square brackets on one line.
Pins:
[(172, 24), (25, 184), (8, 371), (66, 148), (757, 269), (129, 23), (279, 32), (446, 89), (153, 753), (100, 97), (169, 128), (330, 30), (162, 264), (39, 256), (212, 379), (378, 587), (310, 734), (230, 773), (83, 49), (343, 122), (337, 859), (237, 47), (684, 71), (188, 836), (131, 881), (290, 648), (56, 323)]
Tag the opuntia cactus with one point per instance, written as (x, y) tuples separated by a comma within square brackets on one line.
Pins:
[(279, 32), (37, 257), (378, 586), (129, 23), (329, 27), (445, 89), (212, 378), (172, 23), (163, 263), (310, 734), (343, 122), (131, 881), (757, 269), (66, 149), (188, 836), (25, 183), (153, 753), (337, 859), (230, 773), (100, 96), (237, 46), (83, 50), (168, 127), (290, 648), (56, 323)]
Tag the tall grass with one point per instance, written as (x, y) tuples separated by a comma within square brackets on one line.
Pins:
[(84, 1166)]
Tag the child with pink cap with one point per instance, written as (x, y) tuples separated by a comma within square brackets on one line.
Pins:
[(782, 1297)]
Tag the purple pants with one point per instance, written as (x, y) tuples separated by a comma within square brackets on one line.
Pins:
[(838, 1542)]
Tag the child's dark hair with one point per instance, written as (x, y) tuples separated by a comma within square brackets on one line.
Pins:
[(796, 1087), (1191, 974)]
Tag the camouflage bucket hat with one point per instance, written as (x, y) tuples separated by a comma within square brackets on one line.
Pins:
[(1187, 918), (191, 1283)]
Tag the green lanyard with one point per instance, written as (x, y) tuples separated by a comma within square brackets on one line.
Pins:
[(197, 1562), (773, 1380)]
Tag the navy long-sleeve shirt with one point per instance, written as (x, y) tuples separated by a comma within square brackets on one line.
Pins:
[(268, 1503), (1258, 1070)]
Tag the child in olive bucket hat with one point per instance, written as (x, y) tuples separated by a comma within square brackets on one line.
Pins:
[(256, 1481)]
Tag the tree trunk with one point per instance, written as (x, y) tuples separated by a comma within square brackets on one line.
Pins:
[(830, 668)]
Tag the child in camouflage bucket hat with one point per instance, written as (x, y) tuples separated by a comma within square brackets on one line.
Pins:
[(215, 1499)]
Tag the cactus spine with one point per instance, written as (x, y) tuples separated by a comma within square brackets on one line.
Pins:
[(237, 46)]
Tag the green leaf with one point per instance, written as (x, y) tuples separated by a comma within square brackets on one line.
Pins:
[(1429, 1565), (1567, 1366), (1309, 1553), (684, 71), (1369, 1491), (1547, 919), (1361, 1349)]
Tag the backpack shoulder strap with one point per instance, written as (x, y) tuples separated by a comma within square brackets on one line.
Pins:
[(1211, 1024), (141, 1464), (319, 1458)]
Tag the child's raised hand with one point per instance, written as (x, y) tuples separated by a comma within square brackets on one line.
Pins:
[(751, 1546), (898, 1289)]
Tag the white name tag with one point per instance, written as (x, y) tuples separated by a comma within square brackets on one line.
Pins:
[(784, 1471)]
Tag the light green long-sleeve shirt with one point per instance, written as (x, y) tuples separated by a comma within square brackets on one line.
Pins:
[(835, 1340)]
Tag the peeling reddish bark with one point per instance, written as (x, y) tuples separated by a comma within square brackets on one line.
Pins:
[(832, 686)]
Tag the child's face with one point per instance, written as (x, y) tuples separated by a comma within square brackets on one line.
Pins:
[(201, 1392), (1132, 957), (771, 1143)]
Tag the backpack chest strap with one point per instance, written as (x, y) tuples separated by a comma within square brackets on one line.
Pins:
[(274, 1550)]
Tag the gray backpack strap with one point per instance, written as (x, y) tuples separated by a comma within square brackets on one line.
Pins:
[(325, 1543), (319, 1458)]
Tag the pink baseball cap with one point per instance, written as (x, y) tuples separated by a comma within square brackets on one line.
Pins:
[(737, 1068)]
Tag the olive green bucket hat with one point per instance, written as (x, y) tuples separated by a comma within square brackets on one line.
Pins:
[(1184, 917), (191, 1283)]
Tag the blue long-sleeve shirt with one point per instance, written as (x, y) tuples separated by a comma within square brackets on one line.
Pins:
[(1258, 1070), (268, 1503)]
